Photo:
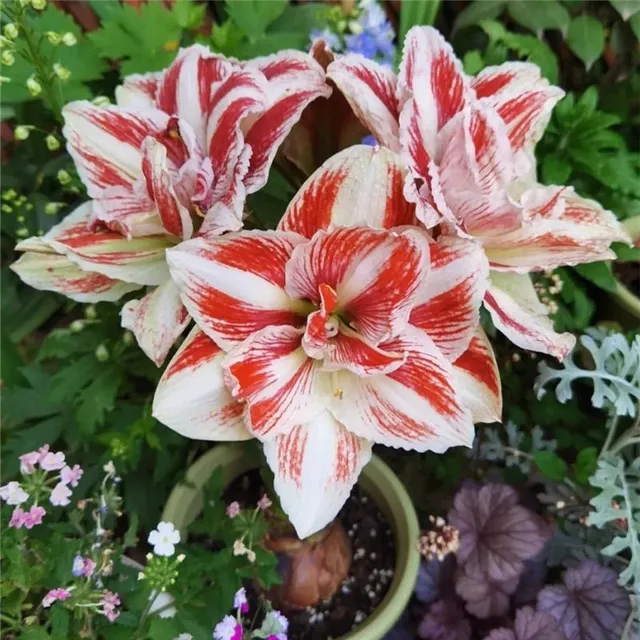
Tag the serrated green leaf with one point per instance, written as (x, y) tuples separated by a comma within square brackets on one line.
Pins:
[(536, 18), (555, 170), (478, 11), (253, 17), (98, 398), (72, 378), (585, 464), (599, 273), (551, 465), (586, 39)]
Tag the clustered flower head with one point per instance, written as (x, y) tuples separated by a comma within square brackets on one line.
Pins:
[(36, 485), (161, 570), (440, 540)]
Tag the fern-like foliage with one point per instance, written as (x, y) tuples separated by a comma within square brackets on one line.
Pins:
[(618, 505), (615, 375)]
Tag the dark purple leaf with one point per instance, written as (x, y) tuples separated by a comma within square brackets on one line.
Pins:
[(433, 578), (485, 598), (530, 625), (531, 580), (589, 605), (497, 535), (445, 620)]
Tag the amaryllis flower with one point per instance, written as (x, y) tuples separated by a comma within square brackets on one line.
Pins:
[(468, 143), (321, 339), (174, 158)]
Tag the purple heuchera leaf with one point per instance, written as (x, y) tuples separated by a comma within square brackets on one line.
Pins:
[(530, 625), (485, 598), (497, 535), (445, 620), (589, 605), (433, 578)]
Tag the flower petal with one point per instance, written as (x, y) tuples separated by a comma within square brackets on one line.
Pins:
[(281, 385), (560, 228), (186, 87), (295, 80), (359, 186), (139, 260), (105, 142), (156, 320), (315, 467), (374, 273), (48, 271), (191, 397), (370, 89), (131, 214), (138, 90), (447, 306), (233, 285), (175, 217), (414, 407), (517, 312), (477, 380)]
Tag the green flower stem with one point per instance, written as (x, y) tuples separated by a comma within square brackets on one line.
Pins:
[(145, 613)]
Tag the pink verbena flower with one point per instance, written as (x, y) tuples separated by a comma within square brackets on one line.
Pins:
[(13, 493), (240, 600), (55, 594), (70, 475), (28, 461), (233, 509), (83, 566), (110, 601), (17, 518), (52, 461), (33, 517), (264, 503), (228, 629), (60, 495)]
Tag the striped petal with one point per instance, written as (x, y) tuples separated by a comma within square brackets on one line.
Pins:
[(130, 213), (233, 285), (187, 86), (315, 467), (295, 80), (281, 385), (191, 397), (359, 186), (48, 271), (375, 275), (475, 170), (517, 312), (447, 306), (414, 407), (370, 90), (477, 380), (523, 99), (105, 143), (138, 90), (560, 228), (156, 320), (139, 260)]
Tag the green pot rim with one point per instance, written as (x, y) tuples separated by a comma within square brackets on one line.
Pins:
[(185, 503)]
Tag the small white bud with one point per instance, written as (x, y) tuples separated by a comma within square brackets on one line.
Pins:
[(39, 5), (51, 208), (102, 353), (64, 177), (101, 101), (11, 31), (77, 326), (61, 72), (53, 37), (8, 58), (21, 132), (34, 87), (53, 144), (68, 39)]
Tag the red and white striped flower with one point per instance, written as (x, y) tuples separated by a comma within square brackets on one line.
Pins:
[(174, 159), (468, 144), (327, 336)]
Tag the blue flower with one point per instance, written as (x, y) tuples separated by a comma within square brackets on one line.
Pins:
[(328, 36), (375, 40)]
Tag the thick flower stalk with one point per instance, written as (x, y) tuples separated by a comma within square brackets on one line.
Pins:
[(173, 160), (329, 335), (468, 145)]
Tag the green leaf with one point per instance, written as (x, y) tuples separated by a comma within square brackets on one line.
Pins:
[(626, 8), (98, 398), (473, 62), (60, 620), (418, 12), (300, 17), (476, 12), (188, 14), (626, 253), (555, 170), (551, 465), (253, 17), (599, 273), (634, 23), (536, 18), (71, 379), (585, 465), (586, 39), (589, 100), (35, 633)]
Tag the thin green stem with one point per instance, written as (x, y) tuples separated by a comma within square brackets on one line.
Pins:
[(145, 613), (610, 435)]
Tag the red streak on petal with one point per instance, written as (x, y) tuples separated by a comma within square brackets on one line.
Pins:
[(200, 350), (477, 361)]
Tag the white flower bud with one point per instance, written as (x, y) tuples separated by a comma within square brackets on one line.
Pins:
[(34, 87), (101, 101), (39, 5), (64, 177), (21, 132), (8, 58), (102, 353), (68, 39), (11, 31), (53, 37), (90, 312), (61, 72), (77, 326), (53, 144), (51, 208)]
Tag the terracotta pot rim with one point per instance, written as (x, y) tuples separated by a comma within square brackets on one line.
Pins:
[(185, 503)]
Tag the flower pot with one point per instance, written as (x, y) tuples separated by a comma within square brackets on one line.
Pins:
[(624, 298), (377, 479)]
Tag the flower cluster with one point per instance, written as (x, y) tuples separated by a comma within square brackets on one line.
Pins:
[(36, 485), (439, 541), (245, 524), (161, 570)]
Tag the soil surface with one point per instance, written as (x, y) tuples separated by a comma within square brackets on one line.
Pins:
[(371, 573)]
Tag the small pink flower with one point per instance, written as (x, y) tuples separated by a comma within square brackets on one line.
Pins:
[(60, 495), (52, 461), (17, 518), (13, 493), (233, 509), (240, 600), (71, 476), (28, 461), (55, 594), (110, 600), (111, 614), (83, 567), (264, 503), (33, 517)]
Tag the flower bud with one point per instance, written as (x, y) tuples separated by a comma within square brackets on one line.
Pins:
[(11, 31), (22, 233), (68, 39), (21, 132), (53, 144), (101, 101), (34, 87), (53, 37), (102, 353), (7, 58), (51, 208), (64, 177), (4, 79), (128, 338), (39, 5), (77, 326), (90, 312), (6, 208), (61, 72)]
